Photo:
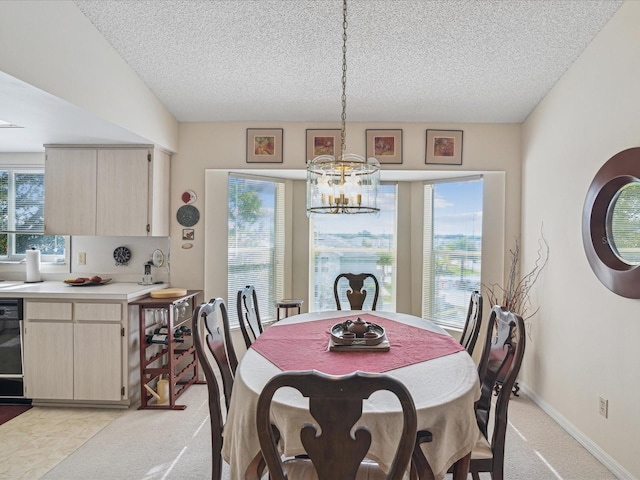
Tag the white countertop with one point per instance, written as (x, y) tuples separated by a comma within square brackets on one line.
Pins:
[(59, 289)]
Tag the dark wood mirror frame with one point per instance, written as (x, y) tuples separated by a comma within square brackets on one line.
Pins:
[(619, 277)]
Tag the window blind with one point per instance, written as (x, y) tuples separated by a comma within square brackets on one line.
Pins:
[(22, 215), (256, 242), (452, 248), (355, 244)]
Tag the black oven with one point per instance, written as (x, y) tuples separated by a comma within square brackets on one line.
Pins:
[(11, 366)]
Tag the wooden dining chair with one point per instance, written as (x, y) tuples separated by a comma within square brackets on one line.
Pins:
[(473, 322), (249, 314), (501, 358), (335, 402), (220, 347), (502, 355), (353, 288)]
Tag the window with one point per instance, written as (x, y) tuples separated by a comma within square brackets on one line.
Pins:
[(355, 244), (22, 216), (256, 242), (452, 246)]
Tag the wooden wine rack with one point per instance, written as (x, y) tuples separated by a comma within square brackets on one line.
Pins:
[(175, 361)]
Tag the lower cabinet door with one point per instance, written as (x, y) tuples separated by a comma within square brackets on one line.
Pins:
[(98, 361), (48, 360)]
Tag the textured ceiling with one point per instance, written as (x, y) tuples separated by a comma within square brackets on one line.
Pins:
[(408, 60)]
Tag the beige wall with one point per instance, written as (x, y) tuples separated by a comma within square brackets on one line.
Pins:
[(491, 149), (54, 47), (584, 340)]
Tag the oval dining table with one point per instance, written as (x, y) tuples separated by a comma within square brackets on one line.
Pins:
[(440, 375)]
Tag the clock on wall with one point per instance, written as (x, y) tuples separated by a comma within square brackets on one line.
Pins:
[(122, 255)]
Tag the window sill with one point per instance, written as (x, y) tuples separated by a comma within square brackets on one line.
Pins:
[(22, 262)]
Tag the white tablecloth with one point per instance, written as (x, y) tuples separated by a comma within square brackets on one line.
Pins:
[(443, 389)]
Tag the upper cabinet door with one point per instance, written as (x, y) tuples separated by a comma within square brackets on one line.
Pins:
[(123, 192), (159, 203), (69, 191)]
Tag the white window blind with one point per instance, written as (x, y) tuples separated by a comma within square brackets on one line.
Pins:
[(452, 247), (623, 224), (355, 244), (22, 216), (256, 242)]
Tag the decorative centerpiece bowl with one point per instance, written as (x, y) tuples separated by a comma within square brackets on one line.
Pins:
[(357, 332)]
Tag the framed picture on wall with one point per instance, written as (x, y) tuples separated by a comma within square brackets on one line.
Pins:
[(264, 145), (444, 147), (323, 142), (385, 145), (188, 234)]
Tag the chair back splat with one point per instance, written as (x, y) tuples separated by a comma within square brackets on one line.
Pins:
[(335, 402), (355, 293), (249, 315), (501, 360), (206, 331), (473, 323)]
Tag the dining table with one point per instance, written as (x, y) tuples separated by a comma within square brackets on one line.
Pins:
[(438, 372)]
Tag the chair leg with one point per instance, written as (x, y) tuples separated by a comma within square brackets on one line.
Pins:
[(475, 475), (461, 468)]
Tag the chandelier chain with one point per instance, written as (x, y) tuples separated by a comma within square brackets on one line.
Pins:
[(343, 133), (340, 182)]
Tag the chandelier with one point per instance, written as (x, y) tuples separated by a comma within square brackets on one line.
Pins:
[(344, 183)]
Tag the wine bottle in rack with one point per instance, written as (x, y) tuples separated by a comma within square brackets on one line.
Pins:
[(157, 338)]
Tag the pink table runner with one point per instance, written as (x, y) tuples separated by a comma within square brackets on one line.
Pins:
[(304, 346)]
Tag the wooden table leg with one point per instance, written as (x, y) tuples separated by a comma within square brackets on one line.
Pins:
[(461, 468)]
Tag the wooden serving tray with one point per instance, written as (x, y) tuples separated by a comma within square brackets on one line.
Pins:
[(168, 293), (359, 345)]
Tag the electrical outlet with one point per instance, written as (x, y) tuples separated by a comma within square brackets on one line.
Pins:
[(82, 258), (604, 407)]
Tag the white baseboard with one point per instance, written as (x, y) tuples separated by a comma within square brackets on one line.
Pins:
[(603, 457)]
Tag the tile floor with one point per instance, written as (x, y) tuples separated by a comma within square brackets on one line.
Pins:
[(34, 442)]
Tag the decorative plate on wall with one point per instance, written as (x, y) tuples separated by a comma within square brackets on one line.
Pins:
[(189, 196), (188, 215), (122, 255)]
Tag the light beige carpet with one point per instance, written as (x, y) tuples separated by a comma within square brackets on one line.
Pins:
[(154, 444)]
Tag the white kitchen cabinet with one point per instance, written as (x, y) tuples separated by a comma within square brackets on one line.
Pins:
[(48, 360), (77, 351), (97, 352), (70, 191), (110, 191)]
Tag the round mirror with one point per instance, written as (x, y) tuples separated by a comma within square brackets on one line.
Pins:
[(157, 258), (611, 223), (623, 223)]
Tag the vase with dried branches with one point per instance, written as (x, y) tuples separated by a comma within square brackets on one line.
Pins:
[(515, 294)]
